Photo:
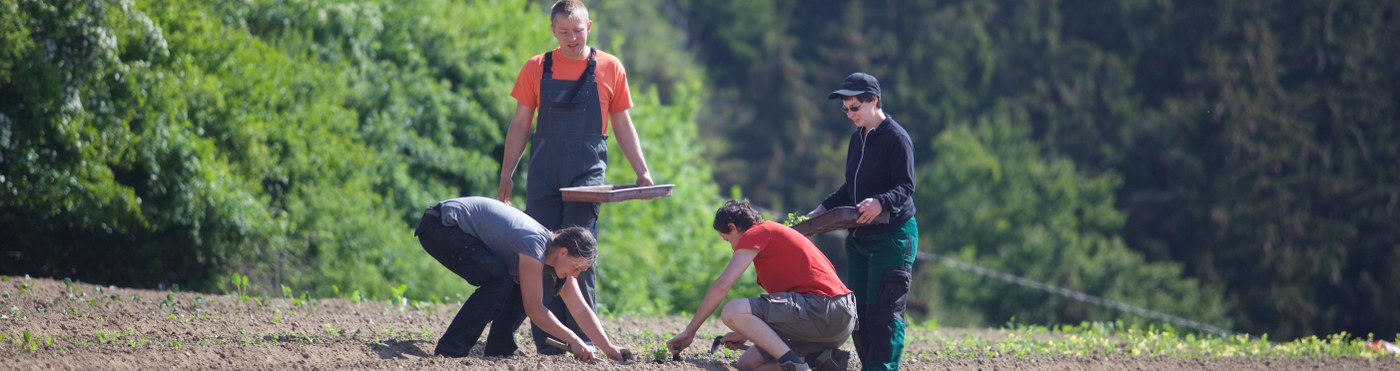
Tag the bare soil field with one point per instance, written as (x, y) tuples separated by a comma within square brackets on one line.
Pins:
[(53, 324)]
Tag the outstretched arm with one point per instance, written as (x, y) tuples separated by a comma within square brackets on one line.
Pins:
[(532, 296), (588, 320), (737, 265)]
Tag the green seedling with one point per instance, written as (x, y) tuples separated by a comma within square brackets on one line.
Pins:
[(331, 331), (29, 343), (396, 293), (794, 218), (104, 337), (240, 285), (139, 341), (659, 355)]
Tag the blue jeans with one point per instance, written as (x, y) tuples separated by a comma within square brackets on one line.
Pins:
[(497, 297)]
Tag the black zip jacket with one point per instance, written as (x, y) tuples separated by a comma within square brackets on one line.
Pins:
[(879, 165)]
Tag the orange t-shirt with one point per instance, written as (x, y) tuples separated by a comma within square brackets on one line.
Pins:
[(611, 77)]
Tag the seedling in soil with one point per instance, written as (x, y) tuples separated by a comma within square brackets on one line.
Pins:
[(138, 342), (659, 355), (29, 343), (104, 337), (396, 294), (331, 331), (240, 284)]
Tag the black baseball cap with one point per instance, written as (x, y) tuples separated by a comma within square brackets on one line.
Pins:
[(856, 84)]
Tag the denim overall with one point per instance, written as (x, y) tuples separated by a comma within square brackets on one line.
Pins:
[(568, 149)]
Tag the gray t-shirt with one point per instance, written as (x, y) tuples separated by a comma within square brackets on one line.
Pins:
[(505, 230)]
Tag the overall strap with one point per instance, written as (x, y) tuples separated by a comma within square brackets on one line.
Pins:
[(587, 75), (548, 65)]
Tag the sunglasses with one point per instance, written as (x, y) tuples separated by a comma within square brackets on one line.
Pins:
[(854, 108)]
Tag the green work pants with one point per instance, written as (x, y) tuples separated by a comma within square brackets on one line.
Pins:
[(879, 269)]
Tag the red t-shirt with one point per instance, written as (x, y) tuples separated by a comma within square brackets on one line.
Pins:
[(789, 262), (613, 94)]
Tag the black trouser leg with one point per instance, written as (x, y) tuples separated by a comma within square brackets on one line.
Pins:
[(501, 340), (469, 258)]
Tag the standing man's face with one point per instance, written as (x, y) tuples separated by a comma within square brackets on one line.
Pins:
[(572, 34)]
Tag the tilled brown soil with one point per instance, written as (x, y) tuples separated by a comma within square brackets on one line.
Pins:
[(83, 326)]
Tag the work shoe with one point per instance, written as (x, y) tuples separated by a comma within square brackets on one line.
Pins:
[(829, 360), (789, 366), (550, 351)]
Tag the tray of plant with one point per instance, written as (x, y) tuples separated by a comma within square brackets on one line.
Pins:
[(615, 193), (840, 217)]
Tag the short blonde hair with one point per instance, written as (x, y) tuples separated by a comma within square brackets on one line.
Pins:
[(567, 8)]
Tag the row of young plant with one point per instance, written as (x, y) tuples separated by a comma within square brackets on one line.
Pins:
[(1118, 338)]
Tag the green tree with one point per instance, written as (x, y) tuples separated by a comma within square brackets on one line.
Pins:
[(993, 198), (1274, 172)]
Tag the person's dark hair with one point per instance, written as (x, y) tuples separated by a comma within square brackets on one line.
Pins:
[(578, 241), (567, 8), (741, 213), (867, 97)]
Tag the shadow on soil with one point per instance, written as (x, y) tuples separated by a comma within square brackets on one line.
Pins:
[(399, 349)]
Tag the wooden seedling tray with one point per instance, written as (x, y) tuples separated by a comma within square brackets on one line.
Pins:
[(615, 193), (840, 217)]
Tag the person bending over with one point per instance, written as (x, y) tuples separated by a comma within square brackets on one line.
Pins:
[(507, 256)]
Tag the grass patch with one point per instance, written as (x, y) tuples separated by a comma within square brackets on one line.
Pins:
[(1117, 339)]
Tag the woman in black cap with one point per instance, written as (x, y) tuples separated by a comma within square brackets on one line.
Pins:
[(879, 178)]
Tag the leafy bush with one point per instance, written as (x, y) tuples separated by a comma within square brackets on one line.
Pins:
[(295, 144)]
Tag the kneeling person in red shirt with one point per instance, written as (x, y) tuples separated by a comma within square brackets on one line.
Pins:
[(807, 310)]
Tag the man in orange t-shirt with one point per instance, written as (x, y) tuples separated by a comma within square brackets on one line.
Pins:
[(807, 310), (578, 91)]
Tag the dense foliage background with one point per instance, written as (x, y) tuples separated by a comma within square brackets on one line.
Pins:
[(1247, 145), (1228, 162)]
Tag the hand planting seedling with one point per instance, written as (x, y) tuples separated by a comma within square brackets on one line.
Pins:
[(625, 352)]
